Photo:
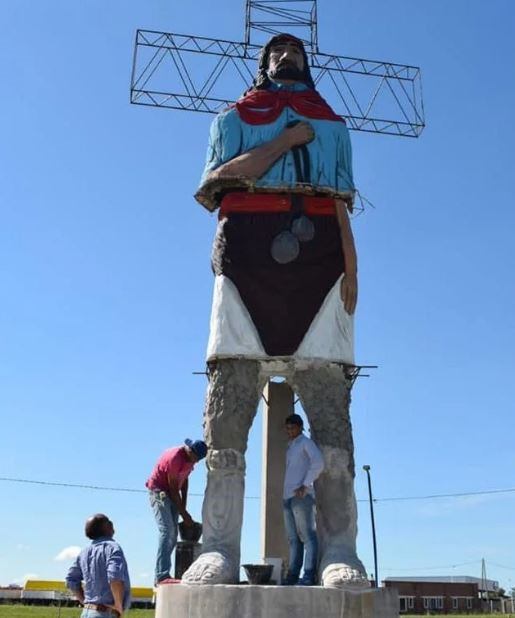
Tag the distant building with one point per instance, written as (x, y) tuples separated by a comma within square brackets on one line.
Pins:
[(10, 594), (458, 594), (53, 592)]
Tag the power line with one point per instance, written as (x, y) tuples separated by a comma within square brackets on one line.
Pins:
[(133, 490), (501, 566), (463, 494), (95, 487), (445, 566), (448, 566), (76, 485), (412, 569)]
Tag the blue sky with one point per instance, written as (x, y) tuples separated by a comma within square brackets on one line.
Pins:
[(105, 284)]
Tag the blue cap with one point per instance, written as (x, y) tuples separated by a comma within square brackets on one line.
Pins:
[(198, 447)]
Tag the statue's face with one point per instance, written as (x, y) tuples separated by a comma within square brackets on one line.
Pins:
[(286, 61)]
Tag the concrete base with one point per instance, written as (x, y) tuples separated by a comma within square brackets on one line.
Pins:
[(244, 601)]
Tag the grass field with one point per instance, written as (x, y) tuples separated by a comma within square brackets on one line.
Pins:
[(31, 611)]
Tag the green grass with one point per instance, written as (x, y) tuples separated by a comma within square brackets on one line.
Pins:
[(32, 611)]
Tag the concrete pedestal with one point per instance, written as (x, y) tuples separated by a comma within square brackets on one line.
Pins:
[(183, 601)]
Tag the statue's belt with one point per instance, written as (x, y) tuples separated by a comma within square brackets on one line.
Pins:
[(242, 202), (285, 247)]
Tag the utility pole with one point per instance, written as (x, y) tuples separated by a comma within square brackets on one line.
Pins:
[(484, 582), (371, 500)]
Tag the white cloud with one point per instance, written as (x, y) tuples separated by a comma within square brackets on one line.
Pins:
[(24, 578), (22, 547), (144, 575), (68, 553)]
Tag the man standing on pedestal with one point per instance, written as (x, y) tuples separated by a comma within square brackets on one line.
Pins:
[(168, 489), (304, 463)]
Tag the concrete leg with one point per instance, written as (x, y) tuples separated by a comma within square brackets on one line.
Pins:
[(233, 395), (325, 396)]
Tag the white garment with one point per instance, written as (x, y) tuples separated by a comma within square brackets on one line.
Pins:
[(304, 463), (232, 334)]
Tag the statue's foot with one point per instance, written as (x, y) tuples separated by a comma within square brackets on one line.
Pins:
[(211, 568), (341, 575)]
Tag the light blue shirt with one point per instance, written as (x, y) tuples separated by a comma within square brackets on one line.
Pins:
[(97, 566), (304, 463), (330, 151)]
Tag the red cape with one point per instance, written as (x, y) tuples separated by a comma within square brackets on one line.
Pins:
[(265, 106)]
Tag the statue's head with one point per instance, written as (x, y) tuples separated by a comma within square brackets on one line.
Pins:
[(283, 58)]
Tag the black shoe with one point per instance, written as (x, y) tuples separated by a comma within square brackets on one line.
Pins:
[(290, 580)]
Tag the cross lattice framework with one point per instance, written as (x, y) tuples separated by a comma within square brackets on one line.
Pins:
[(299, 17), (195, 73)]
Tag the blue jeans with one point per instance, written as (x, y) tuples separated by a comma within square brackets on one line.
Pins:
[(299, 521), (167, 519), (94, 613)]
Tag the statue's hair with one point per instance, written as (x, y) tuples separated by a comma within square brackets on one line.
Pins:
[(262, 81)]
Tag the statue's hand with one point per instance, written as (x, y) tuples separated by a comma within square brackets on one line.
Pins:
[(301, 133), (349, 292)]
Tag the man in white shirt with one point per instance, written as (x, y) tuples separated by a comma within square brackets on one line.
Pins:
[(304, 463)]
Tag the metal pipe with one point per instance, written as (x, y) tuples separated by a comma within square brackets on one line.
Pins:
[(367, 470)]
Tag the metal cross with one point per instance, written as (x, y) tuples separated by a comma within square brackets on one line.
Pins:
[(194, 73)]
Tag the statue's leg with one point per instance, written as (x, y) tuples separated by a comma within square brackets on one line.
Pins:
[(325, 396), (232, 399)]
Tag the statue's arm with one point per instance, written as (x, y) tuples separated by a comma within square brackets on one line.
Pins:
[(255, 162), (227, 165), (349, 285)]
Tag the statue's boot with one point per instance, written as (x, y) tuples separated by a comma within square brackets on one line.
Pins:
[(233, 395), (339, 566), (222, 516), (325, 396)]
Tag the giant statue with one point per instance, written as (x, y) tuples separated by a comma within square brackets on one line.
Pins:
[(279, 170)]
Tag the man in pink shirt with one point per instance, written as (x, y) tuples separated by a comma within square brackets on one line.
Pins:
[(168, 487)]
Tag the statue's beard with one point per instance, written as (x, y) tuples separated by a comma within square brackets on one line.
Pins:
[(287, 71)]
